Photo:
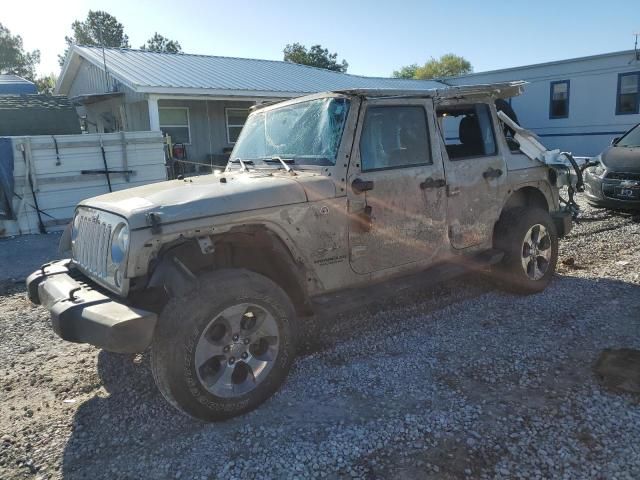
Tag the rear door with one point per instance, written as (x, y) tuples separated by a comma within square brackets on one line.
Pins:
[(476, 172), (397, 205)]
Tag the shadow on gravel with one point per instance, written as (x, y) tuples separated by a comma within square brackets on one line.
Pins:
[(133, 433), (134, 414), (319, 333), (134, 417)]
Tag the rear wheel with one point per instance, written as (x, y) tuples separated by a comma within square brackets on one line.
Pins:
[(528, 238), (226, 348)]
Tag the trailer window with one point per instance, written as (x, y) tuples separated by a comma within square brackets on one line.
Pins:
[(628, 99), (468, 131), (559, 99)]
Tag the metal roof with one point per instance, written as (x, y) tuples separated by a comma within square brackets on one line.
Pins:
[(15, 85), (552, 63), (167, 73)]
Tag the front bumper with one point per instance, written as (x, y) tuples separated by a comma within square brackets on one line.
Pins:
[(613, 203), (598, 191), (81, 313)]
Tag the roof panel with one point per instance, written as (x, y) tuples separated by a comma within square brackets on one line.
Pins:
[(15, 85), (148, 70)]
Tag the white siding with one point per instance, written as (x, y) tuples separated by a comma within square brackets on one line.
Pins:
[(60, 187), (592, 121)]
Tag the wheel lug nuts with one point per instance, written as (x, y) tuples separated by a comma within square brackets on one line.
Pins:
[(235, 337), (245, 355), (246, 341), (226, 348), (232, 361)]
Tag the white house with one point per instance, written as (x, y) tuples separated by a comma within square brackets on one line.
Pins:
[(577, 105), (200, 100)]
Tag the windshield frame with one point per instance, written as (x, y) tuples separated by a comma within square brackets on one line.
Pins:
[(635, 130), (259, 163)]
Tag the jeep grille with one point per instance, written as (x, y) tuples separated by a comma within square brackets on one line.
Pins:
[(92, 243)]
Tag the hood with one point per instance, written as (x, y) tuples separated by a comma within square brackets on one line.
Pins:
[(621, 159), (210, 195)]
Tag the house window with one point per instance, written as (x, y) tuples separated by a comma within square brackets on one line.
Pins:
[(174, 121), (235, 121), (559, 99), (628, 93)]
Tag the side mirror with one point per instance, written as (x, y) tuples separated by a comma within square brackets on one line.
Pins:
[(614, 141)]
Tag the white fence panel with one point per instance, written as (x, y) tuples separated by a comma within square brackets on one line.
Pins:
[(61, 170)]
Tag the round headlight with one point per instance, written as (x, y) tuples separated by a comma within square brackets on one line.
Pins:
[(119, 243)]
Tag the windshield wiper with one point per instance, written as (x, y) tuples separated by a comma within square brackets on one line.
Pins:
[(282, 162), (243, 164)]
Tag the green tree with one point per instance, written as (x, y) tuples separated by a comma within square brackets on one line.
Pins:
[(408, 71), (316, 56), (98, 29), (13, 58), (448, 65), (46, 84), (159, 43)]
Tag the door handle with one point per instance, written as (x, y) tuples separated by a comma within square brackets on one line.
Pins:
[(492, 173), (359, 185), (433, 183)]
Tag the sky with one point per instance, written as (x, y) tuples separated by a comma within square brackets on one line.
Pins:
[(375, 37)]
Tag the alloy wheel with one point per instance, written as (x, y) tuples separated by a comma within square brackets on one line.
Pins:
[(536, 252), (237, 349)]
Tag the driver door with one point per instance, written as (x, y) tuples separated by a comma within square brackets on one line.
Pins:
[(397, 200)]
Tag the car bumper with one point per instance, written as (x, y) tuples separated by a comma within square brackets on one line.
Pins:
[(599, 192), (83, 314), (606, 202)]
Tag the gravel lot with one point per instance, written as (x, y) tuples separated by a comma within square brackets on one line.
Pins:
[(460, 381)]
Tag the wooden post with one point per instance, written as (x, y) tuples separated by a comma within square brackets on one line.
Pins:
[(154, 114), (125, 159)]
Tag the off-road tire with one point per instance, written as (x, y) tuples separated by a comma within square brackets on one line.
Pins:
[(181, 324), (510, 233)]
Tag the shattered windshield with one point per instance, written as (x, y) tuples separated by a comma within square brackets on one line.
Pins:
[(631, 139), (306, 132)]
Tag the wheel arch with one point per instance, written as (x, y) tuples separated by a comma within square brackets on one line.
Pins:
[(527, 196), (524, 196), (252, 247)]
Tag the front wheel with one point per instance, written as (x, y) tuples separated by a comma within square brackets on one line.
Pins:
[(226, 348), (529, 240)]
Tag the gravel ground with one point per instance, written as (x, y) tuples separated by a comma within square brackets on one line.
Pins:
[(19, 256), (461, 381)]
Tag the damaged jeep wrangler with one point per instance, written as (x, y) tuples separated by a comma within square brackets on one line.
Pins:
[(321, 193)]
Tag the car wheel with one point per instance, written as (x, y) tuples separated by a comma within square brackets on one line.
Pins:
[(226, 348), (528, 238)]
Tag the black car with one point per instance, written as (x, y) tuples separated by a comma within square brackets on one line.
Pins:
[(615, 181)]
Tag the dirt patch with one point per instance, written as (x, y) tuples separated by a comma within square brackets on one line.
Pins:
[(619, 369)]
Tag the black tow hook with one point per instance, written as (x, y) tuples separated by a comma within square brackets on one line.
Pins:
[(72, 292)]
